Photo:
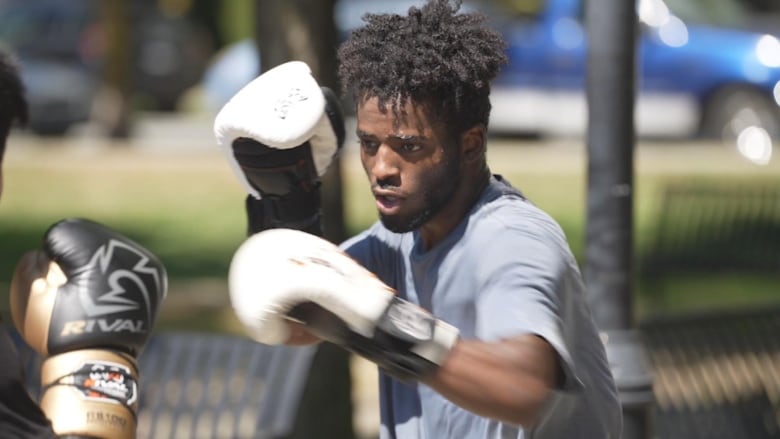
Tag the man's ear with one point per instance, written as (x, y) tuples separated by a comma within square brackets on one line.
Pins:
[(473, 143)]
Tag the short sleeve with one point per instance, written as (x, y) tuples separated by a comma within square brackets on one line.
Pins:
[(523, 285)]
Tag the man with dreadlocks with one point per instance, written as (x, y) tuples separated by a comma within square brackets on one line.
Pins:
[(466, 295)]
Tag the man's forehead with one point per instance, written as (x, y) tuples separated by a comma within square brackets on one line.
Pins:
[(403, 128), (410, 113)]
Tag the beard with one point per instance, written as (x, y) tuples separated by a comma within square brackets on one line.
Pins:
[(437, 187)]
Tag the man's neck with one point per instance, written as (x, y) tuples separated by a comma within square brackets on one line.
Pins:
[(464, 198)]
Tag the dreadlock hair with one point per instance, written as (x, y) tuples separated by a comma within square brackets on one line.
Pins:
[(13, 106), (433, 56)]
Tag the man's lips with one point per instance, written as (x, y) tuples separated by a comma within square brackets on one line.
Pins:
[(387, 201)]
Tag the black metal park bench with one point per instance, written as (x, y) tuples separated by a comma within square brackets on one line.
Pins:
[(716, 373), (205, 385), (714, 228)]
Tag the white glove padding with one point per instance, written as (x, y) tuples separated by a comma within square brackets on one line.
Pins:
[(283, 108), (276, 270)]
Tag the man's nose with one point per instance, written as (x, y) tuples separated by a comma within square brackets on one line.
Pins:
[(385, 165)]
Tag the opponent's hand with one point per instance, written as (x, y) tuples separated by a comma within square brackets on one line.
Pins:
[(280, 133), (284, 275), (87, 301)]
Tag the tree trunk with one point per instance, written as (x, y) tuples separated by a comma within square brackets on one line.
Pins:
[(304, 30), (114, 105)]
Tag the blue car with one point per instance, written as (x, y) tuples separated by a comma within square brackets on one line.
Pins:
[(698, 74)]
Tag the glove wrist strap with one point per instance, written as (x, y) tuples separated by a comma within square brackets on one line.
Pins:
[(407, 343), (91, 393), (298, 210), (288, 185)]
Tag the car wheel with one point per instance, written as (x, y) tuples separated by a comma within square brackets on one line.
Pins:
[(743, 118)]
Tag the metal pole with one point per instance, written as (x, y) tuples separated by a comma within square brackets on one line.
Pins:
[(611, 81)]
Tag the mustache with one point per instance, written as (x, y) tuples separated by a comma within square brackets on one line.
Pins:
[(387, 191), (385, 186)]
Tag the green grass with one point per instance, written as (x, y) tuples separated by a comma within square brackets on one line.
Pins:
[(185, 210), (188, 209)]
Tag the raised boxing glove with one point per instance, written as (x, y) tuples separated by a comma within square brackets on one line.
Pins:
[(283, 275), (280, 133), (87, 301)]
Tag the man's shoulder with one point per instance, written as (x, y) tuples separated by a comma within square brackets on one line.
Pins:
[(506, 207)]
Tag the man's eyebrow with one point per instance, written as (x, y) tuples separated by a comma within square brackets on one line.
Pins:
[(408, 137), (404, 137)]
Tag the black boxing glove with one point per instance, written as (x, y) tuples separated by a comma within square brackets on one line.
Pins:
[(87, 301), (280, 133)]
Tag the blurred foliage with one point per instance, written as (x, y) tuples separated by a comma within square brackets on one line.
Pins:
[(188, 212), (236, 20)]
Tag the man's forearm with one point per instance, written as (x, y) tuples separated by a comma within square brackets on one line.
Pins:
[(509, 380)]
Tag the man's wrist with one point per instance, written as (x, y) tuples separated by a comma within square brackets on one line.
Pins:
[(298, 210)]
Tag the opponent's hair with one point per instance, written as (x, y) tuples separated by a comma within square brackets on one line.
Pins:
[(435, 56), (13, 105)]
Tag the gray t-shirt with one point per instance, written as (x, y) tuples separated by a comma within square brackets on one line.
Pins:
[(505, 270)]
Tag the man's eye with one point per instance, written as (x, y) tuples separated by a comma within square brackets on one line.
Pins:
[(368, 145), (411, 147)]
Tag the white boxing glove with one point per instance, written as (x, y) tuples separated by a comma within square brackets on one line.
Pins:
[(283, 274), (280, 133)]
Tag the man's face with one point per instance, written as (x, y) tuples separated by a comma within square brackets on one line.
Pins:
[(411, 165)]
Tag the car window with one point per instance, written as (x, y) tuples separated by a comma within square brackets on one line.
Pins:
[(44, 28)]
